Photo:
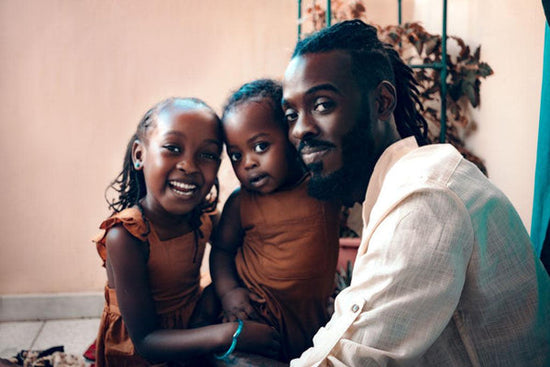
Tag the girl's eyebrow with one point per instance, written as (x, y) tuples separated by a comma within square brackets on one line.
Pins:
[(213, 141), (174, 132), (206, 141)]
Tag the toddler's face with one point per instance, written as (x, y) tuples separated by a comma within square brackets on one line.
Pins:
[(180, 159), (257, 146)]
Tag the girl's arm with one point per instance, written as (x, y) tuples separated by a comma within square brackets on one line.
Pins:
[(226, 240), (126, 262)]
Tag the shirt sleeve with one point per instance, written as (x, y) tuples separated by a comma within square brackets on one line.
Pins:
[(404, 289)]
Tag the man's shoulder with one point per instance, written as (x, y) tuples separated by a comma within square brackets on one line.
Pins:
[(429, 165)]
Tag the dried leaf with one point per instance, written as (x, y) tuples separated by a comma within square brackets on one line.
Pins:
[(477, 53), (432, 44)]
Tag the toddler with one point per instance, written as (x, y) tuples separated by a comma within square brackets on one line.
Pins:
[(275, 251)]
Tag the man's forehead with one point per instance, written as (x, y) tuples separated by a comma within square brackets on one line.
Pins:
[(327, 68)]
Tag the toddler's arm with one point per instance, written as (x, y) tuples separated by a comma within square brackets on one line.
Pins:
[(227, 239)]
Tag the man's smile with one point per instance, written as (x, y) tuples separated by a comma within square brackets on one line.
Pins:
[(313, 150)]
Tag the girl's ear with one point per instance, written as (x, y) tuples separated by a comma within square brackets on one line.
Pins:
[(386, 100), (138, 154)]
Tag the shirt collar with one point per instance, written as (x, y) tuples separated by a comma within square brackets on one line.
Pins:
[(391, 155)]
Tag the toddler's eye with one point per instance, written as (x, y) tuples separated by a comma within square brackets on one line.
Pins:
[(261, 147), (172, 148), (290, 116), (235, 156)]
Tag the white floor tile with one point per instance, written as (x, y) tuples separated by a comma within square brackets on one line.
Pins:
[(15, 336), (74, 335)]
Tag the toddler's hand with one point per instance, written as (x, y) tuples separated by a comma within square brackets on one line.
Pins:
[(258, 338), (236, 304)]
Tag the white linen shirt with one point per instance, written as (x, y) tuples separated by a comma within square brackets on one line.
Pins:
[(445, 274)]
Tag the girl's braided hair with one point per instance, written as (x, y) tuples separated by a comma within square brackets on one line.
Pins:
[(372, 62)]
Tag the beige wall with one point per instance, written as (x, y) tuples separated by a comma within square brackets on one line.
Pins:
[(512, 37), (76, 76)]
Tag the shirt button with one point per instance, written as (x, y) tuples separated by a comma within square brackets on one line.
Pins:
[(354, 308)]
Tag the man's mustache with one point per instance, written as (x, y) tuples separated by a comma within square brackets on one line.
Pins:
[(313, 143)]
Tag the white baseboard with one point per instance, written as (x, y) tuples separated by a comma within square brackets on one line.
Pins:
[(54, 306)]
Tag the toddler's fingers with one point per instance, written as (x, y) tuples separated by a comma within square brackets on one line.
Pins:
[(254, 297), (229, 317), (251, 313), (242, 315)]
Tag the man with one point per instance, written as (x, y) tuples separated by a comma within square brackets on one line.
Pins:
[(445, 274)]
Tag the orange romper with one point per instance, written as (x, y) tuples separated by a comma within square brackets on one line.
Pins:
[(173, 279), (288, 257)]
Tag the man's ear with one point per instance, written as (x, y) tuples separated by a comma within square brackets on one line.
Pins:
[(138, 154), (385, 100)]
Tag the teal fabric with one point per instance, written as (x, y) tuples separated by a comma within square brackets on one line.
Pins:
[(541, 201)]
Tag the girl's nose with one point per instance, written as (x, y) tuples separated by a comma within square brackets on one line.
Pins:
[(187, 165)]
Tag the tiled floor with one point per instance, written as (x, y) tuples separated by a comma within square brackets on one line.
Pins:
[(75, 335)]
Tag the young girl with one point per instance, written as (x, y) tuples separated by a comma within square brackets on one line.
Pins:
[(274, 254), (154, 242)]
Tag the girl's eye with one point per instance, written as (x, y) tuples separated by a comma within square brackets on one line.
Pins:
[(290, 115), (323, 105), (235, 156), (172, 148), (261, 147), (210, 156)]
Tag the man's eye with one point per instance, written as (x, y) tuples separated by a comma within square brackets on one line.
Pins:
[(235, 156), (261, 147), (290, 116), (323, 105), (172, 148)]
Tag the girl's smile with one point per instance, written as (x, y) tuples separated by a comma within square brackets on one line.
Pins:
[(183, 189)]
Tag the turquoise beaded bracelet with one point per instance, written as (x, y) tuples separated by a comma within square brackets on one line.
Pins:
[(233, 342)]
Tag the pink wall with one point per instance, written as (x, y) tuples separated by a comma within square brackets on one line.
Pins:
[(76, 76)]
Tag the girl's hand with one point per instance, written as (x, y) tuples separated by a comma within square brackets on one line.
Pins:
[(258, 338), (236, 304)]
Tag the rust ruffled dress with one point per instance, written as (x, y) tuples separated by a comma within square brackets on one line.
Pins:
[(174, 275), (288, 257)]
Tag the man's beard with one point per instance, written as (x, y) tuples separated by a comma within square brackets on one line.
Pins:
[(340, 185)]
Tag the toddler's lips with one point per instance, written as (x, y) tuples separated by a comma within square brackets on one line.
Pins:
[(183, 189), (258, 181)]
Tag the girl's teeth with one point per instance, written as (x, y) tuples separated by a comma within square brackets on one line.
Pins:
[(183, 189), (183, 185)]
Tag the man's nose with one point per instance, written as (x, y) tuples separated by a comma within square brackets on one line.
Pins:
[(304, 126)]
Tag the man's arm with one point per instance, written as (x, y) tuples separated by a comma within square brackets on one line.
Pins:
[(404, 289)]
